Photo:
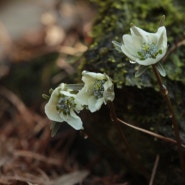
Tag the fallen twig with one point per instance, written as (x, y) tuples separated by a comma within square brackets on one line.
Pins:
[(154, 170)]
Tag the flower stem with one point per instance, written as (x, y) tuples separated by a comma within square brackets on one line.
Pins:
[(164, 92), (130, 150), (167, 139), (154, 170)]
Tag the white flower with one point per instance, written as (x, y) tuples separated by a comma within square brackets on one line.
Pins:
[(98, 89), (143, 47), (63, 105)]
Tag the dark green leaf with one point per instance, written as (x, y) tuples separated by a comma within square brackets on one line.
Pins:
[(45, 96), (117, 45), (54, 128), (160, 69), (140, 71)]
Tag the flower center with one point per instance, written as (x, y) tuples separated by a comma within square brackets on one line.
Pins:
[(98, 88), (148, 51), (65, 104)]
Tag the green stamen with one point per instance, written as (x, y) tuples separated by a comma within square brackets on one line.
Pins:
[(65, 104), (98, 88), (148, 51)]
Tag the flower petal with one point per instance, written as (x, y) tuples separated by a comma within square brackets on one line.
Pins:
[(50, 107), (138, 33), (52, 114), (128, 53), (86, 75), (162, 38), (131, 44), (83, 96), (74, 121), (94, 104)]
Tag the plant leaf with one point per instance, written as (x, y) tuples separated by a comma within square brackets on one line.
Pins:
[(140, 71), (54, 128), (161, 69), (117, 45), (45, 96)]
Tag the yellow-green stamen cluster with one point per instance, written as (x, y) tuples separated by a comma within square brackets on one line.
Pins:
[(148, 51), (98, 88), (65, 104)]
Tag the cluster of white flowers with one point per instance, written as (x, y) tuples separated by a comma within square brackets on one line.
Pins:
[(66, 101)]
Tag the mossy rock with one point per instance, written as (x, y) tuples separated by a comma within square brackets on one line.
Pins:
[(138, 100)]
